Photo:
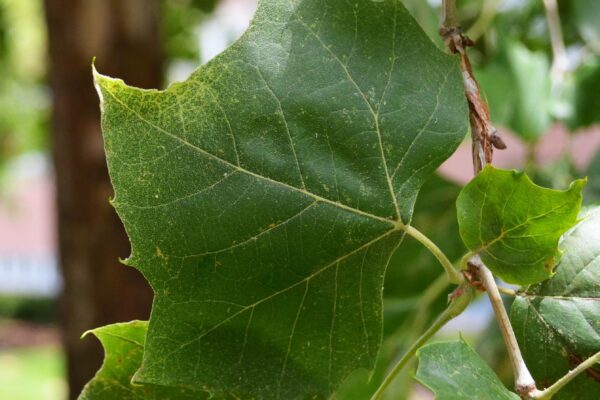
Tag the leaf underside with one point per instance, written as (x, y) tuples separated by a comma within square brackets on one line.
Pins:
[(515, 225), (265, 195), (454, 371), (557, 322)]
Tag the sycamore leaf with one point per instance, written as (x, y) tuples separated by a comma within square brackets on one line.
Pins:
[(265, 195), (124, 346), (454, 371), (557, 322), (515, 225)]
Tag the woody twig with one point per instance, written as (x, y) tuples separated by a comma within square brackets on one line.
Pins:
[(484, 139), (484, 136)]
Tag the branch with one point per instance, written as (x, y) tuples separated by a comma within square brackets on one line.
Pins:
[(507, 291), (484, 136), (462, 296), (453, 275), (413, 327), (421, 311), (547, 394), (524, 383)]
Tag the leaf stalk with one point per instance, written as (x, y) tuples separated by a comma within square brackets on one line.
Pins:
[(454, 276), (524, 382), (484, 136), (450, 14), (462, 297), (549, 392)]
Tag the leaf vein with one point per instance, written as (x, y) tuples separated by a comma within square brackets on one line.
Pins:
[(218, 159)]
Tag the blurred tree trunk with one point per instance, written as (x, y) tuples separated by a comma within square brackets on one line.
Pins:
[(124, 36)]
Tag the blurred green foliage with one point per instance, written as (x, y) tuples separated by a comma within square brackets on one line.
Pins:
[(586, 15), (592, 191), (527, 85), (24, 95), (180, 24), (24, 99), (32, 374), (536, 85), (31, 309), (513, 59)]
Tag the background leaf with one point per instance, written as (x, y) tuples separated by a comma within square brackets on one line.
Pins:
[(592, 190), (587, 14), (263, 196), (123, 345), (530, 71), (557, 322), (587, 103), (454, 371), (515, 225), (517, 87)]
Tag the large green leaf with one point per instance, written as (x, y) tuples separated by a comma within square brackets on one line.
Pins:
[(515, 225), (265, 195), (124, 346), (557, 322), (454, 371)]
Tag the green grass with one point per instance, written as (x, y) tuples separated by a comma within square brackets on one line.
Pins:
[(32, 374)]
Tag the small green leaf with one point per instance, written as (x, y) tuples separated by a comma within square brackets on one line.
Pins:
[(454, 371), (124, 345), (515, 225), (557, 322), (265, 195)]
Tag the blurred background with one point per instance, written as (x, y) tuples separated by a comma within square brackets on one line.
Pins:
[(538, 62)]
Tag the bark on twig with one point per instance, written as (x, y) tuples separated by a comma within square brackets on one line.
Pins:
[(524, 382), (484, 136)]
